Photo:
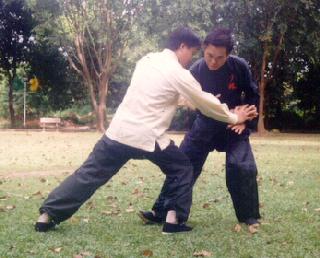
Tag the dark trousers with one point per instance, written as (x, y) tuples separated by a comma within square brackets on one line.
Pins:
[(241, 172), (104, 161)]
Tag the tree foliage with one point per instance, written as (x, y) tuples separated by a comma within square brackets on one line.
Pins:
[(94, 35), (15, 40)]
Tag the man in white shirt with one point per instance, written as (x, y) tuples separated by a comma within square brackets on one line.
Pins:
[(138, 131)]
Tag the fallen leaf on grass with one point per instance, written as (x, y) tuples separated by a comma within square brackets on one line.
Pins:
[(318, 209), (74, 220), (38, 193), (202, 253), (109, 213), (90, 205), (206, 205), (43, 180), (130, 209), (10, 207), (237, 228), (147, 253), (55, 249), (290, 183), (82, 255), (3, 198), (106, 213), (111, 198)]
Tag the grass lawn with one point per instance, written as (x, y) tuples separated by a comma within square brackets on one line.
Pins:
[(33, 163)]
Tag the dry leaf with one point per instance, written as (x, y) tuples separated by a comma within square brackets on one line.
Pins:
[(90, 205), (2, 209), (74, 220), (113, 212), (10, 207), (109, 198), (55, 249), (202, 253), (3, 198), (82, 255), (43, 180), (318, 209), (106, 213), (85, 220), (237, 228), (206, 205), (136, 191), (37, 193), (130, 209), (147, 253)]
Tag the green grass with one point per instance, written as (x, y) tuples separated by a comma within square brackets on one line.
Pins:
[(33, 163)]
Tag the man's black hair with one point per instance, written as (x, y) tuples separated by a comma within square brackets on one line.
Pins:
[(183, 35), (220, 38)]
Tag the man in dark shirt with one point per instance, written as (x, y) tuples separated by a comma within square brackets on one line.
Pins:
[(227, 77)]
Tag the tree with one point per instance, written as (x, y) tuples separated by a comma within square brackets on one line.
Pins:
[(262, 29), (15, 40), (94, 35)]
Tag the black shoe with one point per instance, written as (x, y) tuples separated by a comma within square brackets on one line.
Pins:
[(169, 228), (148, 218), (43, 226), (252, 221)]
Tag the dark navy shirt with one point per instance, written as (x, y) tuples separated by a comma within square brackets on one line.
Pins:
[(233, 81)]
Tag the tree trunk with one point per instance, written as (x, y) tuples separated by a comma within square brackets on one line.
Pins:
[(262, 87), (10, 95), (102, 106)]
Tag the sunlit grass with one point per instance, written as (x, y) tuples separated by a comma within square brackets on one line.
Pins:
[(106, 226)]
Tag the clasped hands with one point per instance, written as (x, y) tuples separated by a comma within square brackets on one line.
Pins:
[(244, 113)]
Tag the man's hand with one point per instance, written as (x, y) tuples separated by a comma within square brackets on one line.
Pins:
[(238, 128), (245, 113)]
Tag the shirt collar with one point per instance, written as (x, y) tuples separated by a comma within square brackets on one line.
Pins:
[(170, 53)]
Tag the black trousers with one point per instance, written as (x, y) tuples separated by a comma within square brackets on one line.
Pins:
[(241, 172), (104, 161)]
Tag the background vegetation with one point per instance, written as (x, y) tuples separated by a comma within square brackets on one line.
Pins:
[(83, 53)]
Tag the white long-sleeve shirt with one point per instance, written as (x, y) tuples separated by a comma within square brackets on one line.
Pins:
[(150, 103)]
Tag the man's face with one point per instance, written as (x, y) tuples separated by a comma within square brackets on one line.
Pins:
[(215, 57), (185, 54)]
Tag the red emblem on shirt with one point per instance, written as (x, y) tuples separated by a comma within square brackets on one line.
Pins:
[(232, 85)]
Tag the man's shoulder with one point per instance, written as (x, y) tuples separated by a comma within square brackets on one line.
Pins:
[(236, 62), (198, 64)]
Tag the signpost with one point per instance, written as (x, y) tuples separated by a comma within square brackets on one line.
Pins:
[(24, 102)]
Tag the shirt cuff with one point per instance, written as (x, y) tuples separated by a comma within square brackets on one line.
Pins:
[(233, 119)]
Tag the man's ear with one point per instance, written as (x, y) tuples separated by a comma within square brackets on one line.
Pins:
[(182, 46)]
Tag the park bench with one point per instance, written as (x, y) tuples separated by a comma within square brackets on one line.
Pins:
[(44, 121)]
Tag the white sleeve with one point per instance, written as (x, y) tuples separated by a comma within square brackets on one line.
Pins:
[(189, 88)]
